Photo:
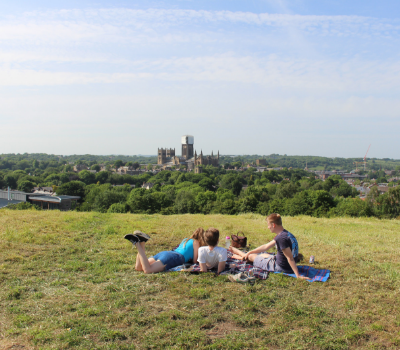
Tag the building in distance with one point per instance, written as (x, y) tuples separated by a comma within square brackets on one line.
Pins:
[(167, 157)]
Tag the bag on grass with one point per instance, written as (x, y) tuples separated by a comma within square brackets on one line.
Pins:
[(239, 241)]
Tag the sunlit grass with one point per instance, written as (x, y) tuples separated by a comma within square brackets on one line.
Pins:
[(67, 281)]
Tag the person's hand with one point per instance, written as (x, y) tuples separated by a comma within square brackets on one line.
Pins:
[(304, 278), (246, 257), (230, 249)]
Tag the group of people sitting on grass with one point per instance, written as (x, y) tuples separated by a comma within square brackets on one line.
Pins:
[(202, 247)]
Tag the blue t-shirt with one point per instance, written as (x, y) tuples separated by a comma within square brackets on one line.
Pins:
[(186, 249), (286, 240)]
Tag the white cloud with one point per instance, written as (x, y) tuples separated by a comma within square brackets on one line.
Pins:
[(127, 25), (325, 75)]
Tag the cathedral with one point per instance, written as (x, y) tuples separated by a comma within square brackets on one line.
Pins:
[(167, 156)]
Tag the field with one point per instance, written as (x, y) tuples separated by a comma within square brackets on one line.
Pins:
[(67, 282)]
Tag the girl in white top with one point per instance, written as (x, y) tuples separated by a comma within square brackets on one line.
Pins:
[(211, 256)]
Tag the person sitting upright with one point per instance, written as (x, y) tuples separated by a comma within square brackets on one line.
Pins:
[(286, 246), (212, 256)]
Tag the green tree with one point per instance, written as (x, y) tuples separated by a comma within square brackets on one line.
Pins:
[(207, 184), (389, 203), (141, 201), (160, 201), (67, 168), (10, 181), (286, 190), (248, 204), (106, 198), (343, 190), (87, 177), (272, 176), (204, 198), (101, 177), (322, 203), (96, 167), (353, 207), (277, 206), (300, 204), (118, 208), (53, 179), (35, 164), (73, 188), (26, 186), (185, 203), (118, 163)]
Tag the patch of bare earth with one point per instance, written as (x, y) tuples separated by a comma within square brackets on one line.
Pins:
[(10, 345), (222, 329)]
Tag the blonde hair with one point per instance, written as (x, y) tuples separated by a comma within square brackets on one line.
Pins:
[(198, 235), (274, 218)]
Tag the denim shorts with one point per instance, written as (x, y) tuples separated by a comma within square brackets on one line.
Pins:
[(170, 259)]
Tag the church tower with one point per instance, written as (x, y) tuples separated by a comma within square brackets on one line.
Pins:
[(187, 146)]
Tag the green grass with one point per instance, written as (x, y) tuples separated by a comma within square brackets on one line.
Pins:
[(67, 282)]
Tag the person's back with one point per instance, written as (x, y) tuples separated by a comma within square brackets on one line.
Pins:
[(212, 256), (186, 249), (285, 240)]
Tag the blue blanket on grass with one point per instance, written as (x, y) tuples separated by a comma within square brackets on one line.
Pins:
[(316, 275)]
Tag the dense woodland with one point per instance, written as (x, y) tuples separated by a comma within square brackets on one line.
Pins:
[(216, 190)]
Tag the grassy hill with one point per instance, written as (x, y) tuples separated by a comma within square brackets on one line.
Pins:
[(67, 281)]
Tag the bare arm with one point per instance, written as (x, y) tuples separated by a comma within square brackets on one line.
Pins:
[(196, 246), (221, 266), (260, 249), (203, 267), (288, 253)]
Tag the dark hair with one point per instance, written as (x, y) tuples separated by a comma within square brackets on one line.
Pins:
[(274, 219), (211, 237)]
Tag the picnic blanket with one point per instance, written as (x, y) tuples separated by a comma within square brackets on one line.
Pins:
[(316, 275), (241, 266)]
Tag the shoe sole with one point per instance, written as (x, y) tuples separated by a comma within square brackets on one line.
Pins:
[(141, 234), (131, 238)]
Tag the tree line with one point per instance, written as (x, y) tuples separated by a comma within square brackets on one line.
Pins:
[(215, 191)]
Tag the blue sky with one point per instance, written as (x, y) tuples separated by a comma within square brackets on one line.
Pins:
[(300, 77)]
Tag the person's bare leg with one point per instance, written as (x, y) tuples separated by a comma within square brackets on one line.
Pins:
[(253, 256), (237, 254), (138, 266), (157, 266), (236, 251)]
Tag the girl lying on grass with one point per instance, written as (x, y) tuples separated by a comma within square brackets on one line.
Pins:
[(163, 261)]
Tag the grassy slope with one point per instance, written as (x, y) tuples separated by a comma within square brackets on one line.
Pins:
[(67, 281)]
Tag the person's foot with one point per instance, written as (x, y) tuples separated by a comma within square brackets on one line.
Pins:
[(132, 238), (143, 237)]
